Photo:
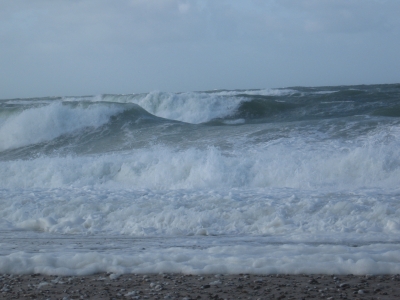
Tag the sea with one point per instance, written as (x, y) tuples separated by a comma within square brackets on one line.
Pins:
[(299, 180)]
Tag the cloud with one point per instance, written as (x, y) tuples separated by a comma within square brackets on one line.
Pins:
[(140, 22), (98, 20), (346, 16), (91, 46)]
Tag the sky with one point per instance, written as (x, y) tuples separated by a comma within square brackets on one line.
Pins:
[(90, 47)]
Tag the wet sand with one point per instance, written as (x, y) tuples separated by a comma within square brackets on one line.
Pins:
[(179, 286)]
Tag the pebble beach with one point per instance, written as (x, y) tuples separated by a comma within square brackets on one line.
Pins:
[(180, 286)]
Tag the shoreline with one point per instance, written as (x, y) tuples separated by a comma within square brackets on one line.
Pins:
[(186, 286)]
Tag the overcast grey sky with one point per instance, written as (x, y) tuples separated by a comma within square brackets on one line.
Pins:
[(86, 47)]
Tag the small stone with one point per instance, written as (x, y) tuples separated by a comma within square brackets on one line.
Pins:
[(131, 293), (43, 283), (114, 276)]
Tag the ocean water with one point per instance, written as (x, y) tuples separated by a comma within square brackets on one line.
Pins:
[(294, 180)]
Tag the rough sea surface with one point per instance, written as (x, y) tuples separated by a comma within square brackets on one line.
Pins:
[(294, 180)]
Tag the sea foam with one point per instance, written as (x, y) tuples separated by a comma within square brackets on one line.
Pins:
[(294, 216), (300, 180), (366, 163)]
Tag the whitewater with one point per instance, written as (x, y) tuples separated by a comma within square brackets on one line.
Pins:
[(292, 180)]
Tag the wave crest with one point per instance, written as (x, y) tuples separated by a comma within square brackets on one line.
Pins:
[(40, 124)]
